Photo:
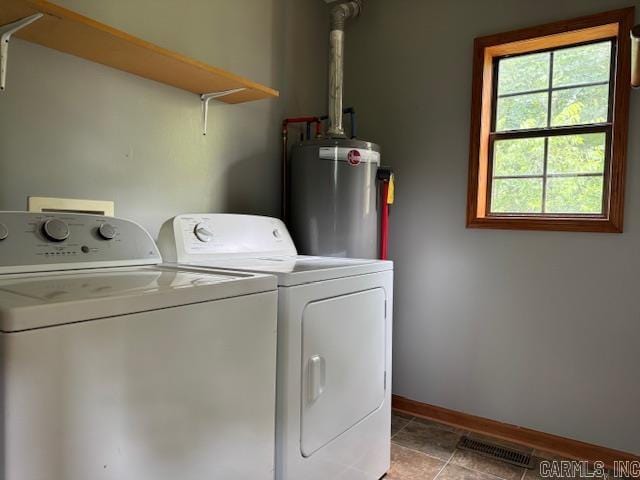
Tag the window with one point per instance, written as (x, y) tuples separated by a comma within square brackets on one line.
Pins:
[(549, 126)]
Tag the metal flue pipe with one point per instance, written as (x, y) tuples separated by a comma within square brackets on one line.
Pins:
[(339, 15), (635, 56)]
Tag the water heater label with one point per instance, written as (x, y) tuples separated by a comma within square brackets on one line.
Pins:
[(354, 156)]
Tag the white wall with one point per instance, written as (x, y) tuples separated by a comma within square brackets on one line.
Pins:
[(72, 128), (538, 329)]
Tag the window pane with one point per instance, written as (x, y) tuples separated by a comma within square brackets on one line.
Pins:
[(574, 195), (519, 195), (523, 73), (518, 157), (576, 106), (577, 153), (586, 64), (522, 112)]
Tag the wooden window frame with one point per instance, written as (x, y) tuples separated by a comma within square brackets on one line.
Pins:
[(604, 26)]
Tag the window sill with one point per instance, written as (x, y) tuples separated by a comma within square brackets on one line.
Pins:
[(558, 224)]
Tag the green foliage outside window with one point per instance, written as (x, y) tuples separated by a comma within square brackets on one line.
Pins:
[(554, 173)]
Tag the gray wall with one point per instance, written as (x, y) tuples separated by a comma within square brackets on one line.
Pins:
[(536, 329), (72, 128)]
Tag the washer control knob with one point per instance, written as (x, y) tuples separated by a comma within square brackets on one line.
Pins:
[(4, 231), (203, 233), (55, 230), (107, 231)]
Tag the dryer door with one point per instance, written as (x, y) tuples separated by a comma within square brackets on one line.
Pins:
[(343, 358)]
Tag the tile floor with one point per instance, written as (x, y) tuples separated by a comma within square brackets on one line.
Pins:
[(426, 450)]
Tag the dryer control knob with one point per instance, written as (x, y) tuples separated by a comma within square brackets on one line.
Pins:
[(203, 233), (55, 230), (107, 231), (4, 231)]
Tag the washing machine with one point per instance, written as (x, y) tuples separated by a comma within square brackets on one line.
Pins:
[(116, 368), (334, 342)]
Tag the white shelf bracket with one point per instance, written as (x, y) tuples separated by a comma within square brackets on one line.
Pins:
[(206, 97), (5, 36)]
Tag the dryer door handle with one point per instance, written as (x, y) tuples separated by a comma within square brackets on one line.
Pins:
[(316, 377)]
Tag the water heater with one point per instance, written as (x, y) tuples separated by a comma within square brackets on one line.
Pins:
[(332, 206), (334, 201)]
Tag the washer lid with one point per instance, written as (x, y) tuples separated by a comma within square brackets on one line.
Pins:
[(30, 301), (298, 269)]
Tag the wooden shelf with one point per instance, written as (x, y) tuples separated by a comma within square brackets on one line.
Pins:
[(75, 34)]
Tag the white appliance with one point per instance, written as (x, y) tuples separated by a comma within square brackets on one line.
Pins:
[(114, 368), (334, 342)]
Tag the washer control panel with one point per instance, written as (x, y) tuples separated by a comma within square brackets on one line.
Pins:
[(32, 242)]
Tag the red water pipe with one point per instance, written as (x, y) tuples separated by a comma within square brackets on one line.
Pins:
[(384, 221), (316, 120), (386, 179)]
